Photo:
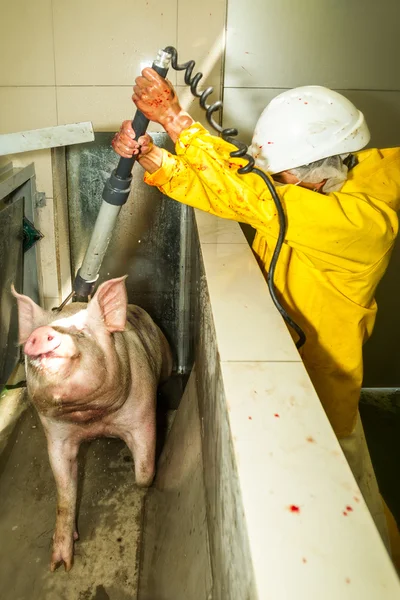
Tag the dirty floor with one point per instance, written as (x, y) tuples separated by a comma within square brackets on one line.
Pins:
[(109, 521)]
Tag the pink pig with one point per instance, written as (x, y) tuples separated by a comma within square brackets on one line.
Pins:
[(92, 371)]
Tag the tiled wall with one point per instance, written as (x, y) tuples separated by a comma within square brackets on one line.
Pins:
[(351, 47), (72, 61)]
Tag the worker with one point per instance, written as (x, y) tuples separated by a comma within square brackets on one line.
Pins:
[(341, 205)]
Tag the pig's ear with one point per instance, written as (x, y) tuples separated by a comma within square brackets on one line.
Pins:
[(30, 315), (110, 304)]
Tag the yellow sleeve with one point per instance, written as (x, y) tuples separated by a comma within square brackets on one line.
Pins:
[(203, 175), (328, 227)]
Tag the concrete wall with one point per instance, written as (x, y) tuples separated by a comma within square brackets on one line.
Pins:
[(175, 560), (351, 47)]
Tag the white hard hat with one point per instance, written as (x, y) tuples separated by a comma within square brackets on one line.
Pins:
[(306, 124)]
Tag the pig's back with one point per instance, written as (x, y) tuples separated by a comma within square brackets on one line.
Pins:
[(141, 327)]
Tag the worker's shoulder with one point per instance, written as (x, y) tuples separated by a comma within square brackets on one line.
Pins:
[(376, 158), (376, 175)]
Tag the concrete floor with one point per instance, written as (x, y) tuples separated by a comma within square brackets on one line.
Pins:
[(111, 507), (109, 522)]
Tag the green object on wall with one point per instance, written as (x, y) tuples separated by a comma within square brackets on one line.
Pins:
[(30, 235)]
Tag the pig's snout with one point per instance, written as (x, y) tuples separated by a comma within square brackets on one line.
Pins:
[(42, 341)]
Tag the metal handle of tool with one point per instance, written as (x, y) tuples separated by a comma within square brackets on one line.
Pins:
[(115, 194)]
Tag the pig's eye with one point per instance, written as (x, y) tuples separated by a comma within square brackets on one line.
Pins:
[(84, 332), (75, 332), (81, 333)]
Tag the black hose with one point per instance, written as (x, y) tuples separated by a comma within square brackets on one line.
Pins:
[(241, 152)]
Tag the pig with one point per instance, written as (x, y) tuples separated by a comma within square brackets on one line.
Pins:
[(92, 370)]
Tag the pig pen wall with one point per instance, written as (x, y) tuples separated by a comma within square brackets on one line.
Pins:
[(153, 243), (251, 488)]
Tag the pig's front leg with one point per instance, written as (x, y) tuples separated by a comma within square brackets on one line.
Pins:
[(63, 453)]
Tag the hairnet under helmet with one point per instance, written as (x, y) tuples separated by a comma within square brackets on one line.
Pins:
[(306, 124)]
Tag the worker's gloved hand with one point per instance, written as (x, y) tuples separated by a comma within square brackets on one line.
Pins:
[(125, 145), (155, 97)]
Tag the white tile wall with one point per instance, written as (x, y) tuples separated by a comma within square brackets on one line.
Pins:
[(201, 37), (243, 106), (192, 105), (24, 108), (105, 43), (105, 106), (382, 112), (26, 43), (69, 61), (338, 44)]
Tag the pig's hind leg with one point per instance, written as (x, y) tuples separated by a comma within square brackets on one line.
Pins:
[(63, 459), (141, 441)]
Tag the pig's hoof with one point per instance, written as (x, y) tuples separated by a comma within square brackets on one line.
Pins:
[(63, 552)]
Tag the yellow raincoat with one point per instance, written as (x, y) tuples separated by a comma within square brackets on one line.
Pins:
[(336, 250)]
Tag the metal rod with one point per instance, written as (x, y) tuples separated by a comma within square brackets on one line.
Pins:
[(99, 241)]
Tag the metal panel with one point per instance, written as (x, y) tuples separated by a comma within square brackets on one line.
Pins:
[(148, 244), (11, 179), (11, 216), (17, 195), (30, 285), (48, 137)]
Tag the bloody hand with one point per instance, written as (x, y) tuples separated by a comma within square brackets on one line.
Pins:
[(155, 97), (125, 145)]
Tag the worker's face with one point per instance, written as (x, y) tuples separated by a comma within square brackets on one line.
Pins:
[(286, 177)]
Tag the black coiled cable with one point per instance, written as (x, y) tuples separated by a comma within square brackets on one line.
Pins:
[(241, 152)]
